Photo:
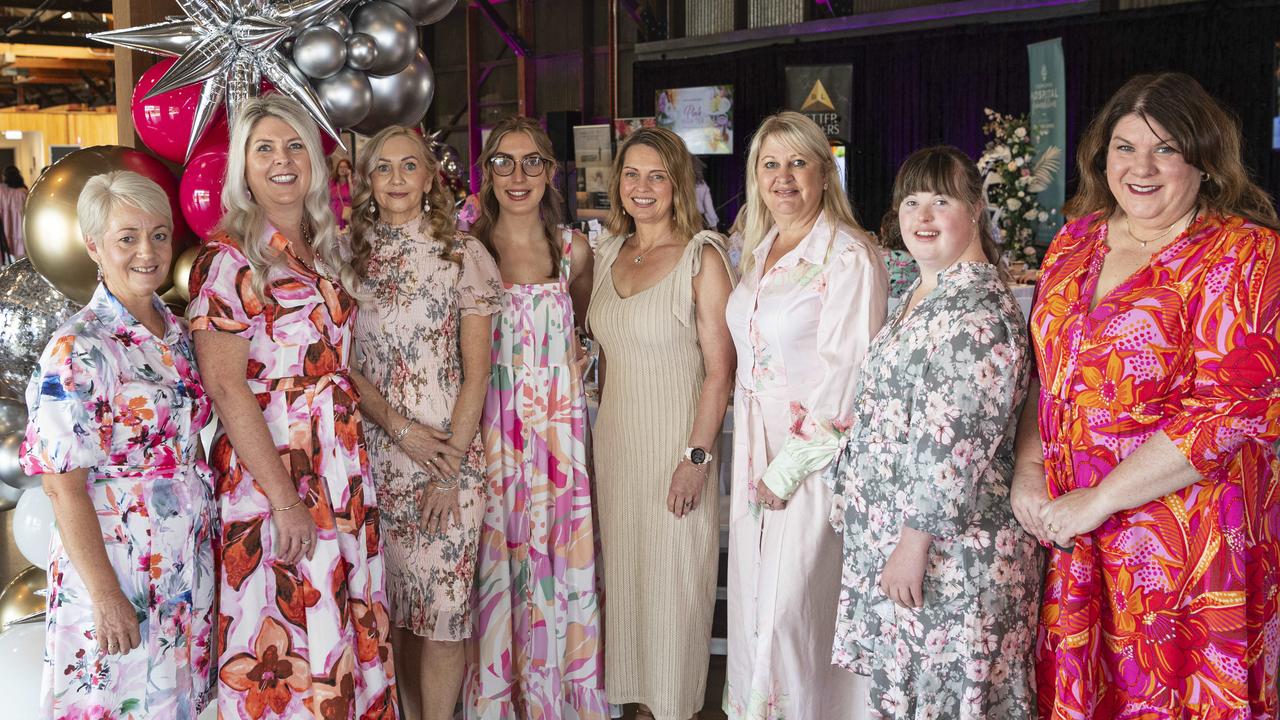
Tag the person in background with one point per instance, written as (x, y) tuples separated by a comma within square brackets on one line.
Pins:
[(303, 619), (940, 586), (666, 359), (902, 267), (1150, 459), (116, 408), (812, 296), (13, 201), (422, 345), (538, 576), (702, 195), (340, 188)]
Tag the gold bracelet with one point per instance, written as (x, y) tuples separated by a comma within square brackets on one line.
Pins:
[(287, 507)]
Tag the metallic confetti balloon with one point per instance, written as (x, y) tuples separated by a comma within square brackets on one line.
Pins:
[(425, 12), (347, 97), (320, 52), (31, 309), (9, 497), (24, 597), (362, 52), (13, 415), (393, 31), (400, 99), (339, 21)]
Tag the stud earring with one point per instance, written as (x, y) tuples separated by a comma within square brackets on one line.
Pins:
[(1204, 177), (98, 269)]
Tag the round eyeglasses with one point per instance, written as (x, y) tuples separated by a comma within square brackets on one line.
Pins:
[(504, 165)]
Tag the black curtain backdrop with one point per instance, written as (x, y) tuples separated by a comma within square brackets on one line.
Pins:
[(913, 89)]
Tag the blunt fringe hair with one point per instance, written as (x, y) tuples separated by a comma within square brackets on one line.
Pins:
[(1202, 129), (437, 222), (802, 136), (104, 194), (244, 220), (676, 159), (550, 208), (944, 170)]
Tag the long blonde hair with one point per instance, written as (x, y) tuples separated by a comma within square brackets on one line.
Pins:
[(437, 220), (679, 164), (246, 221), (800, 135), (551, 208)]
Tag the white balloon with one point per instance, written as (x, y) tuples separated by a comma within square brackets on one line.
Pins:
[(21, 668), (33, 527)]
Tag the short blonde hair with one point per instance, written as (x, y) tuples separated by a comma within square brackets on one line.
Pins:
[(679, 164), (802, 136), (106, 193)]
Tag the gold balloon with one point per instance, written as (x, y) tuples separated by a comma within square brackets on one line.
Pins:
[(54, 241), (23, 596), (182, 272)]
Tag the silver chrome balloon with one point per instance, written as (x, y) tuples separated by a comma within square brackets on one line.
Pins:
[(10, 469), (362, 51), (346, 96), (320, 52), (393, 31), (31, 309), (339, 21), (9, 497), (400, 99), (13, 416), (425, 12)]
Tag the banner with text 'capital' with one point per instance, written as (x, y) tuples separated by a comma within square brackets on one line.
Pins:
[(1049, 113)]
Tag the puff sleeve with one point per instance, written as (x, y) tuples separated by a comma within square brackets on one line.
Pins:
[(479, 284), (69, 409)]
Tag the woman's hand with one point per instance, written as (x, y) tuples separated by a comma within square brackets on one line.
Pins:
[(687, 483), (431, 449), (1075, 513), (1028, 496), (440, 508), (295, 533), (116, 622), (902, 579), (767, 499)]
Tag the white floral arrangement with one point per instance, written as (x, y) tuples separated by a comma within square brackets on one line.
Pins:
[(1012, 176)]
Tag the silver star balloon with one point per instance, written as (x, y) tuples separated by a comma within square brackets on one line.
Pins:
[(229, 46)]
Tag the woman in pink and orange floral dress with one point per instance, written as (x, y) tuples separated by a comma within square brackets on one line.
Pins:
[(302, 626), (538, 634)]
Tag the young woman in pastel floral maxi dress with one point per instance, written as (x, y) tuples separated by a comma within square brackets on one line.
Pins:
[(538, 638)]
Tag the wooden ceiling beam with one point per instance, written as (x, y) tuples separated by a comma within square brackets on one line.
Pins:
[(101, 7), (30, 63)]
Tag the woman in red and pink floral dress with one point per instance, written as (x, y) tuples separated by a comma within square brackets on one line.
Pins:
[(303, 626), (1154, 467)]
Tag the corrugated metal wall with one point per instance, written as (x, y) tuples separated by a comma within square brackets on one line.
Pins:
[(708, 17), (767, 13)]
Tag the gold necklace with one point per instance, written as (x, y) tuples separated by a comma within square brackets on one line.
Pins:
[(317, 263), (640, 258), (1128, 227)]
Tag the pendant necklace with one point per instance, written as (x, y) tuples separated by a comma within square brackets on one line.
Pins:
[(639, 259), (1129, 228)]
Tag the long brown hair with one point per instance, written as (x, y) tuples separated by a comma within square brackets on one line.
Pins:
[(679, 164), (1205, 132), (437, 220), (551, 208), (944, 170)]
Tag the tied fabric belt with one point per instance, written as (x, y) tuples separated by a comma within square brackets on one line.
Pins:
[(310, 384)]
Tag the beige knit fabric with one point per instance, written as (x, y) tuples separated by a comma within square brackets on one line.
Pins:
[(659, 571)]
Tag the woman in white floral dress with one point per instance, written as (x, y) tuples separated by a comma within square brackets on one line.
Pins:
[(940, 584)]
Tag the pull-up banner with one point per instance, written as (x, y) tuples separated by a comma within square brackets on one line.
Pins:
[(823, 93), (1049, 113)]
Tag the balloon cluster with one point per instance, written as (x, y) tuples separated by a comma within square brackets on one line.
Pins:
[(366, 66)]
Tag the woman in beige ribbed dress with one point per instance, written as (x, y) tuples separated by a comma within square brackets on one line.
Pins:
[(657, 311)]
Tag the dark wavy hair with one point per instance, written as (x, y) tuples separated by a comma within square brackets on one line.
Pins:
[(13, 177), (552, 205), (1201, 128), (945, 170)]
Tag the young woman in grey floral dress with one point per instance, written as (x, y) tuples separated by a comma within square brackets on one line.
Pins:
[(940, 584)]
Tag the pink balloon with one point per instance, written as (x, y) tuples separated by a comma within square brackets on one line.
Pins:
[(201, 190), (164, 122)]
